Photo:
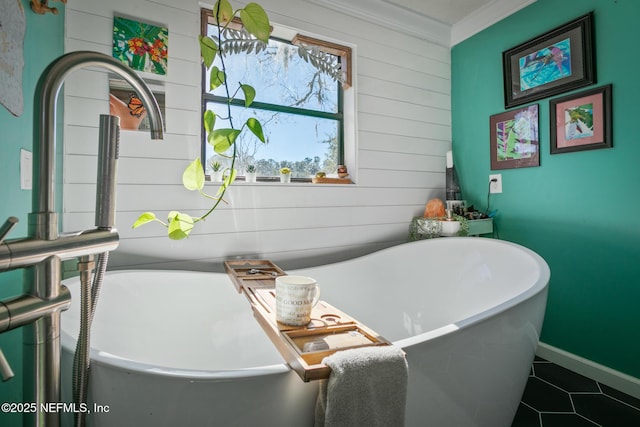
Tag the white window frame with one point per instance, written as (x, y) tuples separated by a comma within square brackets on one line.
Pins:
[(347, 52)]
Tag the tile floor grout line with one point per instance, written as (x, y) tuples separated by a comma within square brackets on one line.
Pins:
[(589, 419), (568, 413), (554, 385), (621, 401), (529, 406), (572, 394), (573, 405)]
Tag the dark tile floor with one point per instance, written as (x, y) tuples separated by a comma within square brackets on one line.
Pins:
[(557, 397)]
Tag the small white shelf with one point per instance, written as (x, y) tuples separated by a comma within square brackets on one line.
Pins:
[(480, 226)]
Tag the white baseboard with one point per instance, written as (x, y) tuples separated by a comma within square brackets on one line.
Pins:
[(610, 377)]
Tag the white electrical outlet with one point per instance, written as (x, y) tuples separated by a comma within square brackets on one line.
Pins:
[(495, 187), (26, 168)]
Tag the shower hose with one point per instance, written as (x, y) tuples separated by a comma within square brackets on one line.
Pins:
[(89, 293)]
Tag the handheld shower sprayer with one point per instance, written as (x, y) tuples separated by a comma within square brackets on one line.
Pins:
[(108, 149)]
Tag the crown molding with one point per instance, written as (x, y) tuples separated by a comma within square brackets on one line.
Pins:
[(485, 17), (393, 17), (389, 15)]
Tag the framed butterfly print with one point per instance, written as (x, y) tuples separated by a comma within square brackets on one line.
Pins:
[(126, 104)]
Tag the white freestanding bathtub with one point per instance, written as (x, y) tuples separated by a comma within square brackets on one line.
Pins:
[(182, 348)]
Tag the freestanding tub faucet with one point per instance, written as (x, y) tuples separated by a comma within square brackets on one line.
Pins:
[(42, 252)]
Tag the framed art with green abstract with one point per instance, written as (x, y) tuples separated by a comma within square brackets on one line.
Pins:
[(581, 121), (552, 63), (514, 139), (141, 46)]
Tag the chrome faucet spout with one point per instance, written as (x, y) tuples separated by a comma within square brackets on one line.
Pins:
[(38, 310), (46, 97)]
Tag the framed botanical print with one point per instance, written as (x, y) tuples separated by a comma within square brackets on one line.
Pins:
[(581, 121)]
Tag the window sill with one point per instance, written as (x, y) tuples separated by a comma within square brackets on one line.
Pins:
[(298, 182)]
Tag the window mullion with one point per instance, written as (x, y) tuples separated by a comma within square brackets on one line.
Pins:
[(274, 107)]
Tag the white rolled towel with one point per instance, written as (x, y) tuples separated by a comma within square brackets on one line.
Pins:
[(367, 387)]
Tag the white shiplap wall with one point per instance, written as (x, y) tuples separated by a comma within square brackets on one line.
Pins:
[(403, 130)]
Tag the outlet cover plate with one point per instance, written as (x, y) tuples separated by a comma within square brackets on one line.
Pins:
[(26, 169), (495, 187)]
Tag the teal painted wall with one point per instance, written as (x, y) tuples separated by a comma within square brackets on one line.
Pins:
[(578, 210), (44, 41)]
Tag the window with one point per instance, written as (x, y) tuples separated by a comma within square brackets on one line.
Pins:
[(299, 106)]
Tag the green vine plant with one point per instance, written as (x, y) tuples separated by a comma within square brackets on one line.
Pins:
[(252, 38), (256, 23)]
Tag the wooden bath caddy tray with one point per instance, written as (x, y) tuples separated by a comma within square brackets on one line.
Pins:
[(303, 347), (254, 272)]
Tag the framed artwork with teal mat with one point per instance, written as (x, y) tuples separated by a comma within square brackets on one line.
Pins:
[(552, 63)]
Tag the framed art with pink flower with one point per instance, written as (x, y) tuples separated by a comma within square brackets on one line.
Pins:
[(581, 121), (141, 46)]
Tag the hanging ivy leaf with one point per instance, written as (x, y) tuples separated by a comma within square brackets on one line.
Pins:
[(145, 218), (180, 225), (223, 139), (254, 126), (249, 94), (217, 78), (193, 176), (208, 50), (256, 21), (223, 10), (209, 119), (229, 178)]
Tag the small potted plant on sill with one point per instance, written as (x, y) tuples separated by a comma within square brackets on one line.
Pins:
[(250, 173), (285, 175), (216, 171)]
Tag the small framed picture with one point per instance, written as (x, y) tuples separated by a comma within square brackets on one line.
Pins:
[(125, 103), (141, 46), (552, 63), (513, 137), (581, 121)]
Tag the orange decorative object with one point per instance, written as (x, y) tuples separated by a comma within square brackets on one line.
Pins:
[(41, 7), (434, 209)]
